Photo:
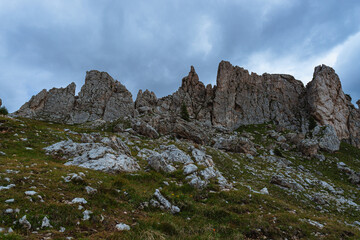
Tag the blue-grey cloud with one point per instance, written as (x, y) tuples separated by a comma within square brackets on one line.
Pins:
[(151, 44)]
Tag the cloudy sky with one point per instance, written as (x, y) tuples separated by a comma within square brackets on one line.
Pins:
[(151, 44)]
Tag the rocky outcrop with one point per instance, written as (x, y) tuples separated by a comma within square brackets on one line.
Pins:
[(100, 98), (54, 105), (235, 144), (242, 98), (104, 154), (328, 105), (239, 98), (193, 93), (145, 101), (327, 138), (327, 102)]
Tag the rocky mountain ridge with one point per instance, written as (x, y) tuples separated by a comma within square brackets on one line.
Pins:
[(239, 98)]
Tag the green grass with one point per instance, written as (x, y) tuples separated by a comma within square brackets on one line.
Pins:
[(236, 214)]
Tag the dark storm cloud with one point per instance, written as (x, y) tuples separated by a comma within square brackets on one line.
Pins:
[(151, 44)]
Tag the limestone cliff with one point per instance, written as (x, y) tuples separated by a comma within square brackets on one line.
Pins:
[(100, 98), (239, 98)]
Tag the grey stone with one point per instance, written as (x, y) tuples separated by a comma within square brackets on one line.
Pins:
[(235, 144), (327, 138), (190, 168), (164, 203), (94, 156), (287, 183), (308, 147)]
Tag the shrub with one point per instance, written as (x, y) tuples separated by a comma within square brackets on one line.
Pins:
[(3, 111), (184, 112)]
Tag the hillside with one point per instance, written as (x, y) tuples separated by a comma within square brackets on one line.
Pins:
[(253, 157), (272, 191)]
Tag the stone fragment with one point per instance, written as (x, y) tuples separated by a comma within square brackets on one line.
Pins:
[(164, 203), (46, 223), (30, 193), (86, 215), (23, 221), (122, 227), (287, 183), (90, 190), (190, 168), (79, 201)]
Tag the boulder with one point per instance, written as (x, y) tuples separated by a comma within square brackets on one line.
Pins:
[(95, 156), (327, 138), (145, 129), (286, 183), (235, 144), (308, 147), (163, 203)]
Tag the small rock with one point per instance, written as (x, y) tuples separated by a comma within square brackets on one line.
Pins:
[(23, 221), (7, 187), (86, 215), (9, 211), (122, 227), (190, 168), (79, 200), (10, 200), (45, 223), (62, 229), (30, 193), (264, 191), (90, 190), (165, 203)]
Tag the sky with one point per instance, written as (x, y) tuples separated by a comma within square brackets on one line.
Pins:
[(152, 44)]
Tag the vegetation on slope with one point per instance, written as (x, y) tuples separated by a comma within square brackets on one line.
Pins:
[(205, 214)]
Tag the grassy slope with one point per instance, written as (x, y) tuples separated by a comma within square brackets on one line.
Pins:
[(205, 214)]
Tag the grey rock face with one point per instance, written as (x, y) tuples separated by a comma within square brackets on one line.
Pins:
[(286, 183), (164, 203), (145, 129), (309, 147), (100, 98), (192, 93), (242, 98), (327, 101), (55, 104), (235, 144), (145, 101), (97, 156), (354, 177), (327, 138), (239, 98), (194, 130)]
